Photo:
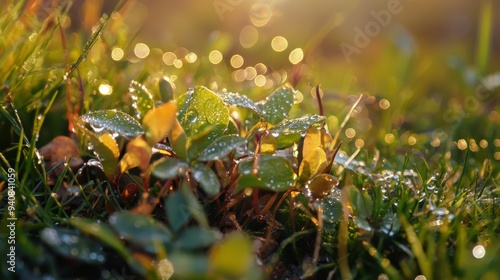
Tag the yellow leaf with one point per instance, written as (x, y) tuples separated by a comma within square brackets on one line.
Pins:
[(312, 163), (107, 140), (312, 140), (232, 256), (158, 122), (138, 154), (268, 144)]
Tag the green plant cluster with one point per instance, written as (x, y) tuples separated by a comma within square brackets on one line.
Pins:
[(209, 184)]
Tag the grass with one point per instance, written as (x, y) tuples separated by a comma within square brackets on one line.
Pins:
[(420, 199)]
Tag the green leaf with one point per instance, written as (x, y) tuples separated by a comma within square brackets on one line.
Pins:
[(289, 132), (168, 168), (206, 178), (104, 234), (235, 99), (204, 109), (273, 171), (221, 147), (287, 140), (296, 126), (166, 89), (390, 224), (104, 147), (362, 203), (71, 244), (114, 121), (193, 206), (194, 238), (362, 223), (178, 213), (189, 265), (140, 229), (233, 256), (276, 107), (332, 206), (250, 181), (142, 99)]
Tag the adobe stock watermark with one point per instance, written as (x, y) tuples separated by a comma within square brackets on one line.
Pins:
[(363, 36), (224, 6), (11, 220)]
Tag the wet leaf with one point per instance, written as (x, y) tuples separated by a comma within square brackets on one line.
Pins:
[(296, 126), (390, 224), (235, 99), (250, 181), (268, 144), (158, 122), (320, 186), (332, 207), (362, 203), (142, 99), (106, 235), (114, 121), (232, 256), (138, 155), (313, 163), (290, 131), (166, 89), (362, 224), (168, 168), (204, 108), (140, 229), (274, 171), (275, 107), (194, 238), (177, 210), (221, 147), (71, 244), (206, 178)]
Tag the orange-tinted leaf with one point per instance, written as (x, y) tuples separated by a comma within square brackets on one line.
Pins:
[(158, 122), (321, 186), (129, 193), (138, 154), (59, 150)]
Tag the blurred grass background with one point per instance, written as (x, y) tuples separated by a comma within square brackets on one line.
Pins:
[(430, 77)]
